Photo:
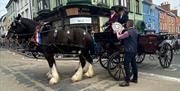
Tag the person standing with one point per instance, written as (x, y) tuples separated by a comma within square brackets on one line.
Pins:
[(129, 38)]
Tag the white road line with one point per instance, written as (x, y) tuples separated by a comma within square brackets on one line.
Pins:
[(161, 77), (175, 65)]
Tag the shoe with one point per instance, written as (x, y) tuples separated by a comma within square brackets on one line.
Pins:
[(134, 81), (124, 84)]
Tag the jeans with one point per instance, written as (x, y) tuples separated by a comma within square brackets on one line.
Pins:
[(130, 58)]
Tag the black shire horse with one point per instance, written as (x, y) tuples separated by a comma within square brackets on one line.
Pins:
[(49, 41)]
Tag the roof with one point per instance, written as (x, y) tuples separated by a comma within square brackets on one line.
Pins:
[(168, 12), (158, 7)]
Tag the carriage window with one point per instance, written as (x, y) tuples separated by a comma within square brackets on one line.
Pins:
[(43, 4)]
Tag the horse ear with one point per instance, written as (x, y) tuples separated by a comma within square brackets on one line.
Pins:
[(18, 17)]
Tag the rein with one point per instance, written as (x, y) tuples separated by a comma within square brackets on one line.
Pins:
[(41, 32)]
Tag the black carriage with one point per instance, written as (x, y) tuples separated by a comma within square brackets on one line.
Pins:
[(111, 56), (148, 43)]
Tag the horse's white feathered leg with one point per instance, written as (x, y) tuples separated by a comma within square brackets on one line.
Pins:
[(86, 67), (55, 76), (78, 75), (90, 71)]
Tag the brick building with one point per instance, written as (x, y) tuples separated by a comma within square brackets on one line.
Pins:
[(178, 24), (167, 19), (177, 21)]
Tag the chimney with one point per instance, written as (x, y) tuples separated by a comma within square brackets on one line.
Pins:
[(165, 6), (174, 11)]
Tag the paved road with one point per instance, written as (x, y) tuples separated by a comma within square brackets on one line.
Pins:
[(150, 65), (19, 73)]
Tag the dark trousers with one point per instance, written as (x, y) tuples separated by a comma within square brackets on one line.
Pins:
[(130, 58)]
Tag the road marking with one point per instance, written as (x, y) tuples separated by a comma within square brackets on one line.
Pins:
[(171, 69), (175, 65), (161, 77), (27, 77)]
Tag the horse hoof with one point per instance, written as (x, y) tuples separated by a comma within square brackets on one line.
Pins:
[(90, 72), (49, 75), (75, 78), (53, 81)]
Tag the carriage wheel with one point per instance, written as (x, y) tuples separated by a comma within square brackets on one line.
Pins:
[(115, 66), (140, 58), (166, 55), (103, 60)]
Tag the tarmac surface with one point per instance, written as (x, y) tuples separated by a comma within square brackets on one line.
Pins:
[(19, 73)]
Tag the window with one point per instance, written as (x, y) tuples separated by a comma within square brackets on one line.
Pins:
[(58, 2), (22, 14), (43, 5), (128, 5), (25, 1), (33, 3), (137, 6), (27, 13), (40, 5), (115, 2), (125, 3), (102, 1), (22, 3)]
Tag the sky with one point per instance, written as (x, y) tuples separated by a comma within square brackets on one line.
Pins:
[(3, 4), (174, 4)]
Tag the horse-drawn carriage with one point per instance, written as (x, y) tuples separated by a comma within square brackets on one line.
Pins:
[(147, 44), (151, 43), (60, 36)]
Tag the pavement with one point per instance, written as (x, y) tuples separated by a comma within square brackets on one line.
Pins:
[(19, 73), (151, 83)]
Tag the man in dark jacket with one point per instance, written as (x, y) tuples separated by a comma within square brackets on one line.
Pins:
[(130, 48)]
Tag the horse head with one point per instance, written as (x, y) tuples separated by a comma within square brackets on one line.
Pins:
[(22, 27)]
